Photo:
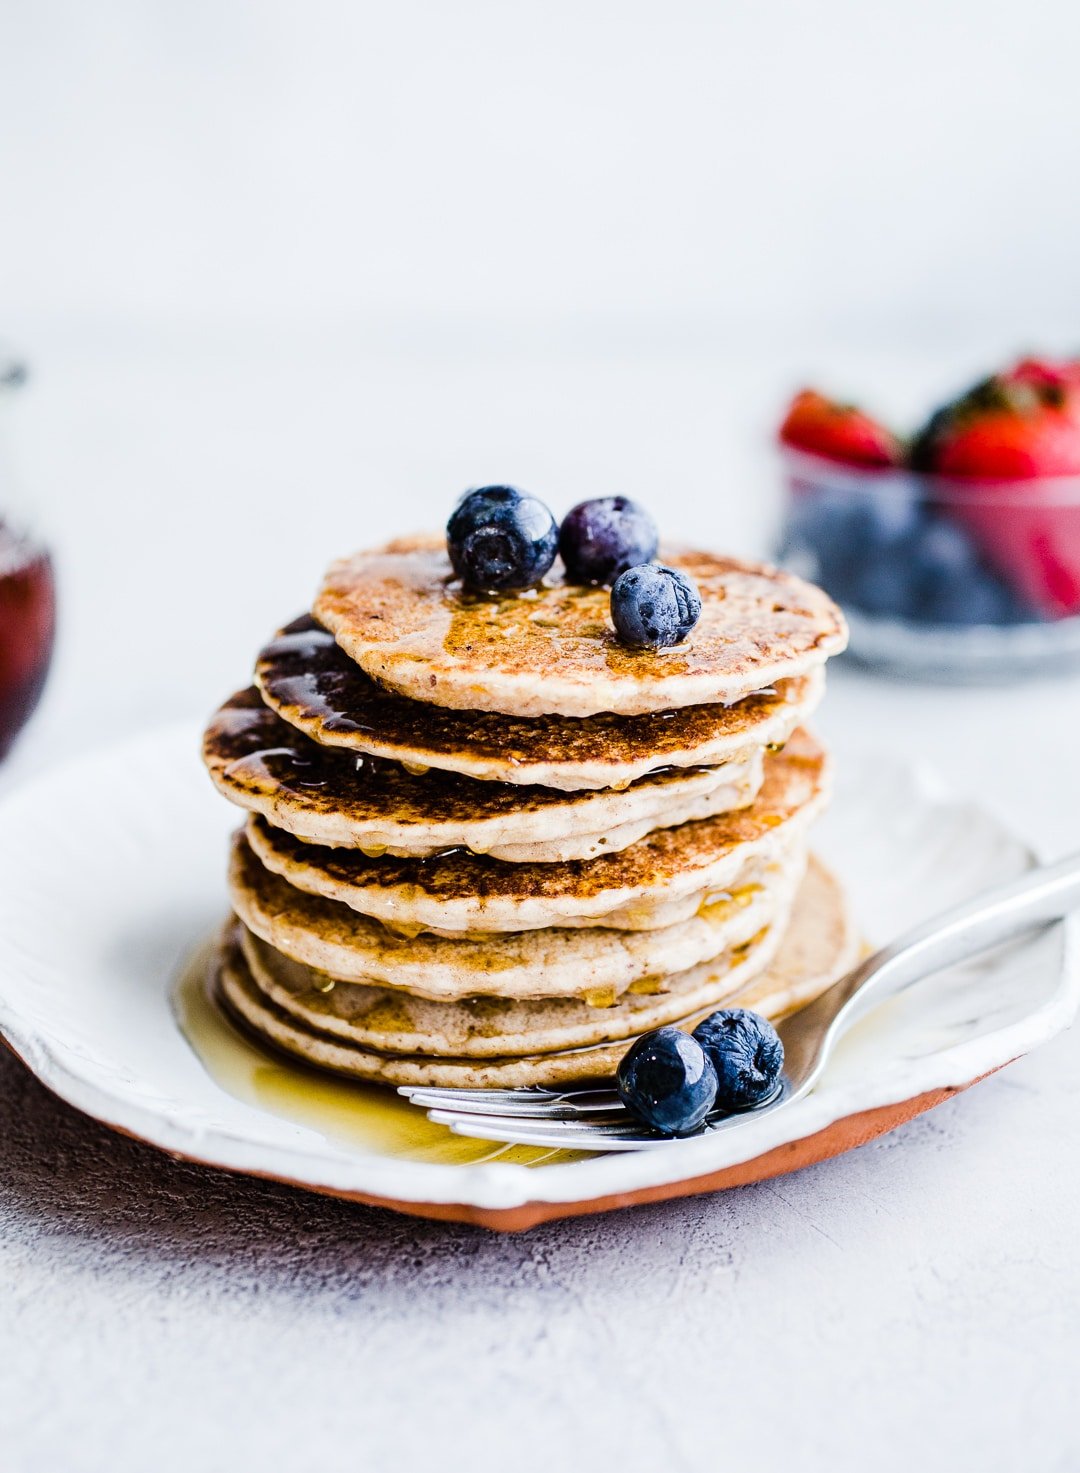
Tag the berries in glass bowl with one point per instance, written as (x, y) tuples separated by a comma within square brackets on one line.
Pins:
[(954, 552)]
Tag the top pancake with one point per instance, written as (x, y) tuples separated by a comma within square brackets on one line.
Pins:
[(306, 677), (400, 613)]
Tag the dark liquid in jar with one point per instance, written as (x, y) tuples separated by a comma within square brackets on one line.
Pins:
[(27, 626)]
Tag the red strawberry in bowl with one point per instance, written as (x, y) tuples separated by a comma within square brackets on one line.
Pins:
[(838, 432), (1002, 455), (1046, 373)]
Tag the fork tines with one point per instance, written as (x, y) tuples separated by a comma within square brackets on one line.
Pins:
[(581, 1119)]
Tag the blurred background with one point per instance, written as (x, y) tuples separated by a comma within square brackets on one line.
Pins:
[(291, 276)]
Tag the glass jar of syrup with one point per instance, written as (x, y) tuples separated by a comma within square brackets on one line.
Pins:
[(27, 593)]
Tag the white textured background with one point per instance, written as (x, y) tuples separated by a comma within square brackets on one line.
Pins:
[(290, 276), (690, 167)]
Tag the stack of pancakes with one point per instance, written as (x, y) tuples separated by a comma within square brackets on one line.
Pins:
[(487, 844)]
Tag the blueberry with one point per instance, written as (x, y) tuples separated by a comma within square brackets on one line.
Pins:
[(653, 606), (884, 551), (501, 540), (747, 1055), (953, 585), (667, 1080), (886, 582), (600, 539), (841, 530)]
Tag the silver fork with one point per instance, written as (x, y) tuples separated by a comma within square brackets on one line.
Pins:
[(595, 1119)]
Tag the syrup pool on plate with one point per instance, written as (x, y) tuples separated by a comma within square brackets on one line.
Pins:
[(27, 627), (367, 1117)]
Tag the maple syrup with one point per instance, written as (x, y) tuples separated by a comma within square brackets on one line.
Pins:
[(371, 1117), (305, 675), (27, 628)]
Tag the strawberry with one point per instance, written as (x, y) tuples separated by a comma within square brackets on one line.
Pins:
[(1003, 445), (998, 444), (1011, 427), (1046, 373), (839, 432)]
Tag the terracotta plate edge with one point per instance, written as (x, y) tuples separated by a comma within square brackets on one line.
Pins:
[(843, 1135)]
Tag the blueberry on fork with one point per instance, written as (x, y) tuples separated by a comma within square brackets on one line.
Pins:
[(747, 1054), (668, 1081)]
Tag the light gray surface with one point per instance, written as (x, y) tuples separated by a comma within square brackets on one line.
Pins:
[(911, 1305)]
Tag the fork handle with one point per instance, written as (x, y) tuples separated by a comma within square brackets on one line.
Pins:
[(1040, 896)]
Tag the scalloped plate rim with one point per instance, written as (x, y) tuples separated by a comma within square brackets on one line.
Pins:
[(499, 1186)]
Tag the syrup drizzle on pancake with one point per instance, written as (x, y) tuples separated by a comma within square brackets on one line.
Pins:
[(310, 681)]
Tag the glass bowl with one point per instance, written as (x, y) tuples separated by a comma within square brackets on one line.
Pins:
[(944, 579)]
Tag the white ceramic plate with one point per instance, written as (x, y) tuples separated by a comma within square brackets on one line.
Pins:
[(112, 875)]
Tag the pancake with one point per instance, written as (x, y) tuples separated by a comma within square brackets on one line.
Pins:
[(325, 795), (815, 951), (792, 981), (595, 963), (403, 617), (395, 1022), (306, 677), (659, 881)]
